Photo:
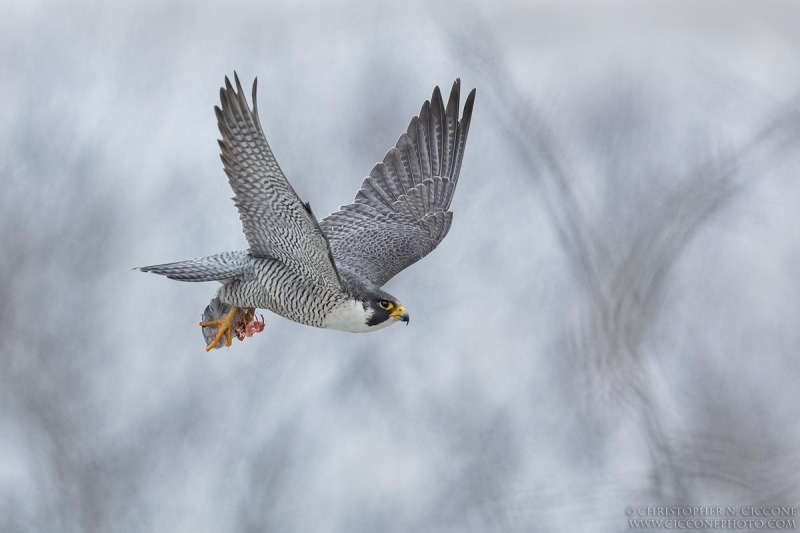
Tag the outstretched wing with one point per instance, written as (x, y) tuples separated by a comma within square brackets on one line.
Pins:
[(276, 223), (401, 213)]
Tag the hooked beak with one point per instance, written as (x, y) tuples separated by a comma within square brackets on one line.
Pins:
[(400, 314)]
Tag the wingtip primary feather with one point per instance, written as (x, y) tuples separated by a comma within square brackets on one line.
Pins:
[(455, 93), (240, 93), (436, 120), (255, 99), (467, 113), (450, 132), (437, 95)]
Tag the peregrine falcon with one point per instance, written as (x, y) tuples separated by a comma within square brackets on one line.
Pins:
[(327, 273)]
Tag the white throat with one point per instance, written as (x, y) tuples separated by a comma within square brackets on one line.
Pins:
[(351, 316)]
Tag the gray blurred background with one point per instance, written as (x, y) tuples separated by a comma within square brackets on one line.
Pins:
[(612, 320)]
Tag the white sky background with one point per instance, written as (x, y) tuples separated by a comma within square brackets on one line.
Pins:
[(611, 321)]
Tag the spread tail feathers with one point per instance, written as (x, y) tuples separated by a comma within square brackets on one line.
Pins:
[(217, 267)]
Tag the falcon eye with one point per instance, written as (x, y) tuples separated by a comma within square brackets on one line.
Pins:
[(385, 304)]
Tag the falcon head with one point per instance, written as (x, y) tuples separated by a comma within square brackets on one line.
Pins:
[(367, 312), (384, 312)]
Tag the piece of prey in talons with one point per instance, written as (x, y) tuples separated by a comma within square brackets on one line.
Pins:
[(221, 322)]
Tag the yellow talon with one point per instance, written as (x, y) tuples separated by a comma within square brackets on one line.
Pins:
[(224, 326)]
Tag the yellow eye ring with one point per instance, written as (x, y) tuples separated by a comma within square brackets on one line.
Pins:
[(386, 305)]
